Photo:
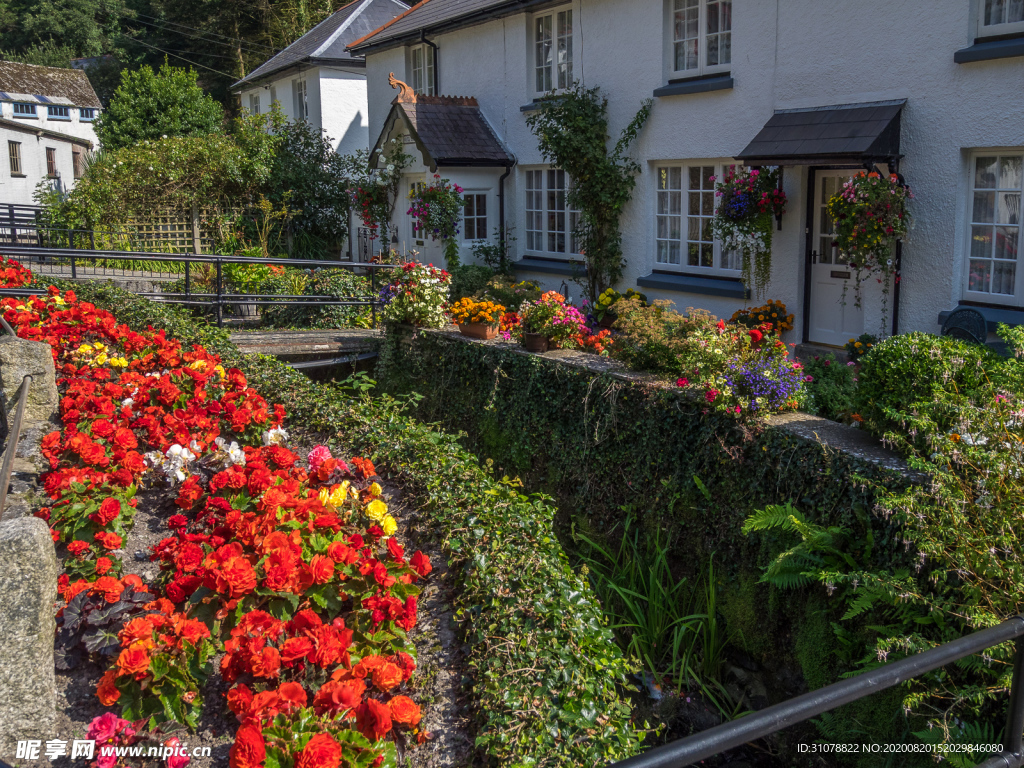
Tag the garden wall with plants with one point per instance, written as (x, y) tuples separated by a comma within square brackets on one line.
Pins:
[(614, 447)]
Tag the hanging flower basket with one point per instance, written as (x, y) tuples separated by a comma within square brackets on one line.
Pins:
[(744, 220), (870, 214), (438, 208)]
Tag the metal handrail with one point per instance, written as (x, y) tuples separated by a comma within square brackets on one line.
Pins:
[(721, 738), (12, 441), (220, 298)]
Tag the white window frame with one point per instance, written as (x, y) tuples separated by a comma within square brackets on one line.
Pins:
[(705, 10), (29, 115), (1002, 7), (553, 219), (86, 114), (1017, 297), (300, 97), (560, 27), (254, 103), (476, 193), (672, 206), (421, 65)]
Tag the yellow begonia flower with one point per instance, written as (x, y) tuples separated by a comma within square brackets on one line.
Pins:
[(324, 496), (85, 348), (389, 525), (101, 358), (375, 489), (220, 369), (338, 494), (376, 510), (198, 365), (118, 362)]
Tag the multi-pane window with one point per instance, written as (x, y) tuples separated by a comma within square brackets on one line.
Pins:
[(996, 183), (1000, 17), (77, 162), (550, 221), (14, 155), (51, 162), (24, 110), (301, 109), (552, 43), (701, 32), (415, 225), (86, 114), (421, 65), (57, 112), (685, 208), (474, 217), (254, 103)]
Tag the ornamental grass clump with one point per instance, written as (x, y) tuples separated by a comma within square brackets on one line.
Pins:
[(418, 295)]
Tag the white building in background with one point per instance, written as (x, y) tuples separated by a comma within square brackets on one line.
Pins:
[(46, 129), (317, 80), (822, 89)]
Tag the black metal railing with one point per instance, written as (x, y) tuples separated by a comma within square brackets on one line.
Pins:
[(714, 741), (66, 262), (12, 431)]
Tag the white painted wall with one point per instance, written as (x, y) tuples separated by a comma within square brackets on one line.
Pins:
[(335, 97), (82, 129), (19, 189), (793, 54)]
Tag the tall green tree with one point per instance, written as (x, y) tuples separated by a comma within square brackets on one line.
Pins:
[(150, 105)]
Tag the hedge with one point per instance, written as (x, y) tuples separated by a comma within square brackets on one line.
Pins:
[(547, 673)]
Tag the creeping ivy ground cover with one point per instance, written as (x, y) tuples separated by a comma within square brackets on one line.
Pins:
[(547, 674)]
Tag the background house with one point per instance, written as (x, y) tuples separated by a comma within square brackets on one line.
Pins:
[(782, 84), (46, 128), (317, 80)]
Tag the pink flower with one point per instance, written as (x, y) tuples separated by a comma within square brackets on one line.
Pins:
[(682, 382), (318, 456), (710, 395), (103, 729), (176, 761)]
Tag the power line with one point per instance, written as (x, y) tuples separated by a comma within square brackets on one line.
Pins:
[(201, 32), (193, 63)]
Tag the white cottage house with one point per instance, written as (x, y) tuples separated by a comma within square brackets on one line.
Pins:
[(317, 80), (822, 89), (46, 129)]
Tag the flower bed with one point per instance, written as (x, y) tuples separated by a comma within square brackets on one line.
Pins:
[(546, 670), (294, 572)]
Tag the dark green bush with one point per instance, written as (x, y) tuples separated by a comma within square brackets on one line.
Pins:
[(467, 279), (830, 387)]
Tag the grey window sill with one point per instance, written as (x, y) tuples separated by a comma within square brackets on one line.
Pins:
[(993, 315), (533, 106), (697, 85), (550, 267), (992, 49), (18, 176), (706, 286), (26, 117)]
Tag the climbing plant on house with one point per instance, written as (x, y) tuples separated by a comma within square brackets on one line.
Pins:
[(573, 132)]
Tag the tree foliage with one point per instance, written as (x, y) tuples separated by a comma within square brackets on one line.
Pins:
[(149, 105), (573, 133)]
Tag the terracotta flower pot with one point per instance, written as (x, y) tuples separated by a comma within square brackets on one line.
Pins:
[(607, 321), (479, 330), (535, 342)]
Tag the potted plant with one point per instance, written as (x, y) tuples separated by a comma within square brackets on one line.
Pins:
[(477, 319), (604, 308), (550, 323), (870, 214), (248, 279), (749, 201), (416, 296)]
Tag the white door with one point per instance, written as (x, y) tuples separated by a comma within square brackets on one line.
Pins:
[(832, 321)]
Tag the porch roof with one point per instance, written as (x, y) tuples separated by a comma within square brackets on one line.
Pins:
[(449, 131), (834, 135)]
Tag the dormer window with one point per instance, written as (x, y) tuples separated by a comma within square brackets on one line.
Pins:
[(552, 51), (1000, 17), (56, 112), (699, 37), (87, 114), (421, 69), (24, 110)]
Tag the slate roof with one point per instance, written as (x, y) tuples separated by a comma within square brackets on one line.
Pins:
[(439, 14), (451, 131), (42, 85), (329, 38), (825, 135)]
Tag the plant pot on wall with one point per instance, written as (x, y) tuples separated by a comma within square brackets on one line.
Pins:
[(485, 331), (535, 342), (247, 310)]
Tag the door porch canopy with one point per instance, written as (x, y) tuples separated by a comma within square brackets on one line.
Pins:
[(844, 134)]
